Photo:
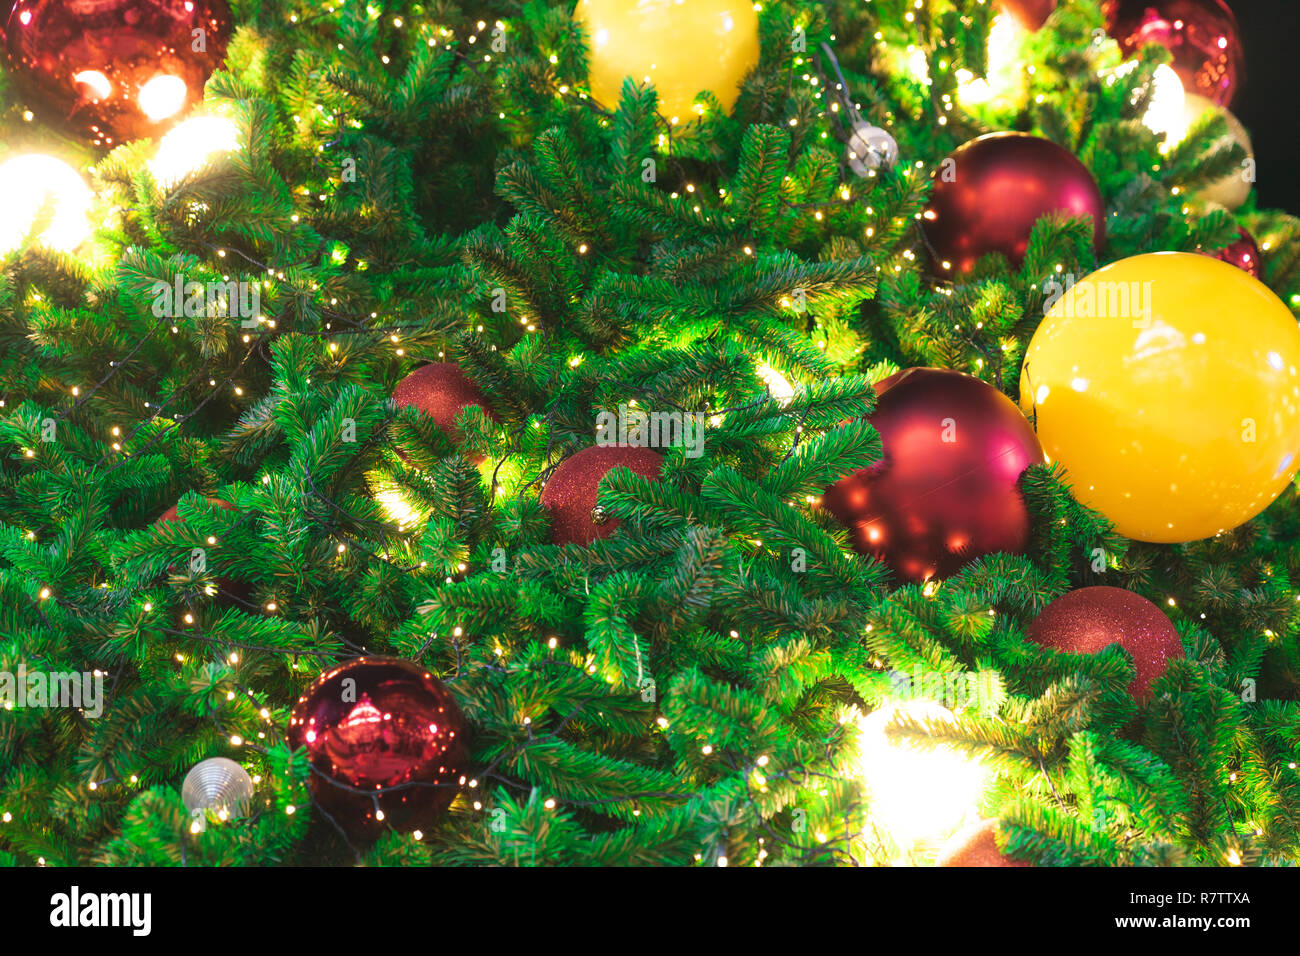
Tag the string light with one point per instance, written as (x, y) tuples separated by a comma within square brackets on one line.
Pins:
[(27, 182)]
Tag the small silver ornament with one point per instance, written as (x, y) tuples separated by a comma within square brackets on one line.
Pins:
[(870, 148), (217, 784)]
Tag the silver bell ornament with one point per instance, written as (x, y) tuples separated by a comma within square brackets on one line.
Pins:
[(217, 784)]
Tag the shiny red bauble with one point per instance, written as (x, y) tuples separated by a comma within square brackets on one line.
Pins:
[(946, 489), (1089, 620), (1244, 254), (1202, 36), (116, 70), (989, 193), (1030, 14), (383, 736), (976, 845), (570, 492)]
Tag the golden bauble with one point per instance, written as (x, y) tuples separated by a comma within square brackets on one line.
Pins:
[(1234, 189), (681, 46), (1168, 387)]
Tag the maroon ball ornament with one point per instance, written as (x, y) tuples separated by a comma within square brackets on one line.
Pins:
[(1202, 36), (382, 734), (1090, 619), (976, 845), (1244, 254), (570, 493), (238, 590), (116, 70), (946, 489), (989, 193), (1030, 14), (172, 514), (441, 391)]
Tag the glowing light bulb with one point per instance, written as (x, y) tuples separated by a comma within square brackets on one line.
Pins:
[(1003, 66), (93, 84), (397, 507), (162, 96), (776, 383), (188, 146), (26, 182), (1167, 114), (916, 792)]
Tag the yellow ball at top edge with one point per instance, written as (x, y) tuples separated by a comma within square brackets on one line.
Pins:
[(682, 47), (1168, 387)]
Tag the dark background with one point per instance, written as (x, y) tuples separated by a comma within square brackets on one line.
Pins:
[(1267, 104)]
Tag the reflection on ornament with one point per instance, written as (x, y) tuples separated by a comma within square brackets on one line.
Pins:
[(188, 146), (1003, 69), (1233, 189), (27, 183), (916, 793), (162, 96), (778, 386), (93, 84), (220, 785)]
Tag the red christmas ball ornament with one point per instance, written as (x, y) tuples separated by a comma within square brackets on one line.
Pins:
[(172, 514), (976, 845), (382, 734), (231, 588), (989, 193), (1030, 14), (946, 489), (441, 391), (570, 494), (1244, 254), (116, 70), (1202, 36), (1090, 619)]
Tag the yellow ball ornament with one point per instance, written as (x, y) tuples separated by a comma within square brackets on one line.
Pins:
[(1168, 387), (681, 46)]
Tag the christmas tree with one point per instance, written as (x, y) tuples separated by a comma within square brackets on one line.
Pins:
[(471, 434)]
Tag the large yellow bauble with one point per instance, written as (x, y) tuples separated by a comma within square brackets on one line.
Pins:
[(1168, 386), (681, 46)]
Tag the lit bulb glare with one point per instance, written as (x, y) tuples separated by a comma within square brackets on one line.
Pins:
[(396, 507), (95, 83), (916, 793), (162, 96), (189, 145), (1167, 112), (1003, 66), (26, 183), (776, 383)]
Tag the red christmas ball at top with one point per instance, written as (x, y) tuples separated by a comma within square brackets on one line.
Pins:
[(1202, 36), (989, 193), (570, 493), (116, 70), (947, 487), (1089, 620), (172, 514), (1244, 254), (441, 391), (976, 845), (1030, 14), (381, 733)]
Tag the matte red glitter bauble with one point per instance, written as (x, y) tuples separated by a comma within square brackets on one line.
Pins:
[(975, 845), (231, 588), (1030, 14), (1090, 619), (116, 70), (171, 514), (570, 494), (390, 731), (441, 391), (947, 487), (1244, 254), (1202, 35), (989, 193)]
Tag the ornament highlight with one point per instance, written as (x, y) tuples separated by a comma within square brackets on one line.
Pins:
[(386, 742), (1029, 14), (682, 47), (989, 193), (220, 785), (1244, 254), (116, 70), (1168, 387), (1233, 189), (27, 183), (570, 493), (946, 489), (1089, 620), (1201, 35)]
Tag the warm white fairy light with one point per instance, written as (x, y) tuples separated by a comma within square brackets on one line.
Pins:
[(916, 793), (27, 182), (777, 384), (1167, 112), (162, 96), (189, 145), (1002, 69)]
